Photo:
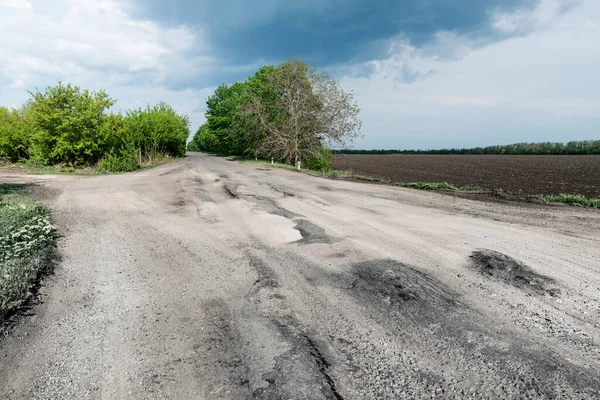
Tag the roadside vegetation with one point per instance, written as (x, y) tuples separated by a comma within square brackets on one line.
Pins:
[(290, 113), (573, 199), (69, 128), (580, 147), (26, 236)]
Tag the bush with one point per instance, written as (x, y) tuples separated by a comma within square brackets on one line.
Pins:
[(113, 133), (67, 126), (16, 130), (334, 173), (68, 122), (124, 161), (322, 162), (157, 131)]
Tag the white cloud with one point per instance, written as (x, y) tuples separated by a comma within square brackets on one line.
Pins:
[(539, 86), (93, 35), (522, 21), (16, 4), (95, 44), (16, 84)]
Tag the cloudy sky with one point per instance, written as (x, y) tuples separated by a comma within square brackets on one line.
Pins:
[(426, 73)]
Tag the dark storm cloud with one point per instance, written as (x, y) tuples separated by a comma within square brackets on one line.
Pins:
[(326, 32)]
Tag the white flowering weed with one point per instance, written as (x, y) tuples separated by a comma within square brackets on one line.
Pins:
[(26, 230)]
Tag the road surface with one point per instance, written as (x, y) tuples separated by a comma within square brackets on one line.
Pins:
[(212, 279)]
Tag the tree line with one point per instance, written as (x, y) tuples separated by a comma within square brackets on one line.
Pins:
[(289, 112), (581, 147), (65, 125)]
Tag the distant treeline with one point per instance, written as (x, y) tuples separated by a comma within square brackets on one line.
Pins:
[(543, 148)]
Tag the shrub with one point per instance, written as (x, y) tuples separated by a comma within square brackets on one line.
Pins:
[(334, 173), (125, 160), (157, 131), (16, 130), (322, 162), (68, 122), (113, 134), (67, 126)]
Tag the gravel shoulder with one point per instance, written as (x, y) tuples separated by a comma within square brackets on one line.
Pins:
[(213, 279)]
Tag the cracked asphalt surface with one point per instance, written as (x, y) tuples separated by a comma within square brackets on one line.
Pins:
[(212, 279)]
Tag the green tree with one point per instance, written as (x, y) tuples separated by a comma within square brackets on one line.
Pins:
[(16, 130), (236, 131), (223, 117), (67, 125), (205, 140), (229, 129), (306, 110), (68, 121), (156, 131)]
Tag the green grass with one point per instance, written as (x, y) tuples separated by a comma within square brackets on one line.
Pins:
[(43, 170), (26, 233), (334, 173), (573, 199), (63, 170), (265, 163)]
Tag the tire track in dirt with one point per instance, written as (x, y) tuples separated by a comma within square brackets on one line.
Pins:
[(301, 371)]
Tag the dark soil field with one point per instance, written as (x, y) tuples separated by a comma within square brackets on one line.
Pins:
[(516, 174)]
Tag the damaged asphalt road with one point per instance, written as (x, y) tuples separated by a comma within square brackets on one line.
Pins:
[(213, 279)]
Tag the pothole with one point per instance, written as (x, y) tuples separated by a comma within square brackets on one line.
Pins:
[(500, 267), (312, 233)]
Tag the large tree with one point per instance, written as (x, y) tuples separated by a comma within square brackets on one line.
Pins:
[(230, 128), (303, 111), (68, 121)]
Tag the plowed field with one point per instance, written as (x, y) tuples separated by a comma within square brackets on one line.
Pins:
[(516, 174)]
